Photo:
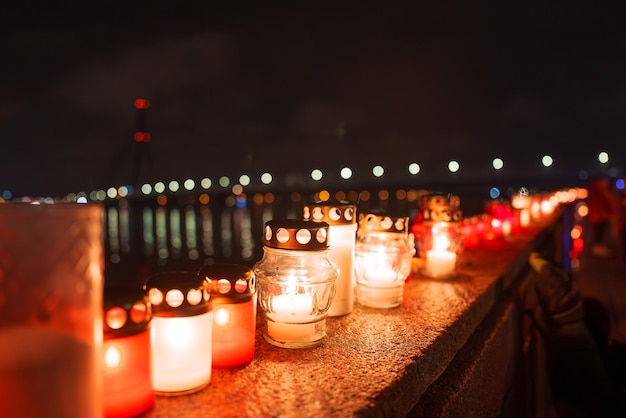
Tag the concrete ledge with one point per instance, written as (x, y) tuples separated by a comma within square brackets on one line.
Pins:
[(379, 363)]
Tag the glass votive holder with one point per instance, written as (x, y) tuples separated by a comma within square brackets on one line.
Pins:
[(51, 279), (341, 218), (181, 332), (443, 245), (126, 352), (234, 298), (296, 282), (441, 240), (382, 259)]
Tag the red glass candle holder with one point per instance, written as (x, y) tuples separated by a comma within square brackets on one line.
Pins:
[(442, 239), (126, 352), (233, 293)]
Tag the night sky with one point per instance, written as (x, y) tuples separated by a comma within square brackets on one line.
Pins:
[(288, 86)]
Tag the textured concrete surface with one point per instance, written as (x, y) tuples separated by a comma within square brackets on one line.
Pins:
[(373, 362)]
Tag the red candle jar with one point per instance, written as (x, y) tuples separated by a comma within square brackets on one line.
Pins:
[(126, 352), (233, 292)]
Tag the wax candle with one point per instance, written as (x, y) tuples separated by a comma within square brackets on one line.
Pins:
[(341, 218), (383, 256), (234, 297), (440, 262), (181, 338), (297, 282)]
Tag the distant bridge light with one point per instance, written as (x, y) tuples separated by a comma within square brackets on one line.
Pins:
[(378, 171), (244, 180), (266, 178), (173, 186), (224, 181), (547, 161), (603, 157), (497, 163), (159, 187), (189, 184), (205, 183), (414, 168), (316, 174), (346, 173), (453, 166), (146, 189)]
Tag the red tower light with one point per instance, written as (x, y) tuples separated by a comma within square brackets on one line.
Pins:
[(142, 104), (142, 136)]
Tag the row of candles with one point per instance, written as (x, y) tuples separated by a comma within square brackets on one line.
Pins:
[(312, 268)]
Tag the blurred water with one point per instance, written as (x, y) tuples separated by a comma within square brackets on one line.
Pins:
[(143, 236)]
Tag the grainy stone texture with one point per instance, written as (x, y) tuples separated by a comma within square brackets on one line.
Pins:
[(373, 362)]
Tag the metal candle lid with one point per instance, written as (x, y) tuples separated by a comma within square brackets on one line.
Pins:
[(127, 311), (440, 208), (293, 234), (178, 294), (229, 283), (333, 213), (372, 222)]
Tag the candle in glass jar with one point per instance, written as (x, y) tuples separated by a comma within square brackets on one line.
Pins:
[(440, 262), (182, 327), (291, 318)]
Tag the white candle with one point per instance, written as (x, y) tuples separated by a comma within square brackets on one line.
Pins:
[(292, 308), (291, 319), (440, 262), (341, 240), (181, 353), (381, 277)]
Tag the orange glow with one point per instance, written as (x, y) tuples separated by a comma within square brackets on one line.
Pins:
[(352, 196), (324, 195), (401, 194), (383, 195), (269, 198), (295, 196), (112, 357), (257, 199), (576, 232), (578, 244), (204, 198), (162, 200), (340, 196), (115, 317), (142, 104)]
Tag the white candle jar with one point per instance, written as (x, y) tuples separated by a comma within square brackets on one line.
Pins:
[(182, 326), (382, 259), (296, 282), (441, 240), (341, 218)]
